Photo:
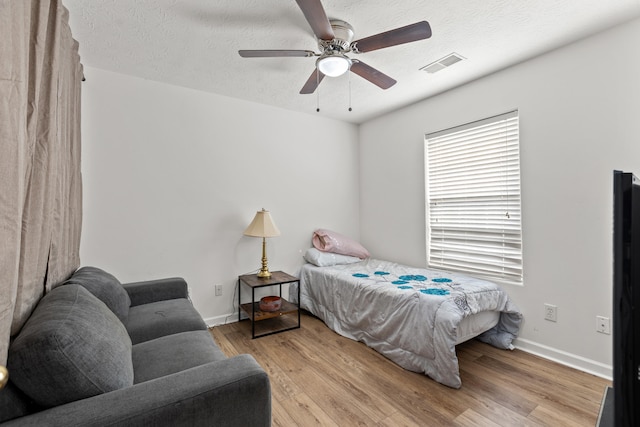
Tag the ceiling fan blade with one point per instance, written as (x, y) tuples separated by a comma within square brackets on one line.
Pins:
[(317, 18), (266, 53), (369, 73), (312, 83), (410, 33)]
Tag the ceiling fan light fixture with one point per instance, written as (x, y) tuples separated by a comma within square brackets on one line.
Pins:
[(333, 65)]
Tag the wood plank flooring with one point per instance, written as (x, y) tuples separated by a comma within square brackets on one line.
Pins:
[(320, 378)]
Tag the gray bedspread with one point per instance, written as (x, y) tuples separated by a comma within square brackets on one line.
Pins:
[(408, 314)]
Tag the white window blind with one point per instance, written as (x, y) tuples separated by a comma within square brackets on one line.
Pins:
[(473, 199)]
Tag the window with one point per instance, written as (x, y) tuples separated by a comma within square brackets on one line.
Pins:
[(473, 199)]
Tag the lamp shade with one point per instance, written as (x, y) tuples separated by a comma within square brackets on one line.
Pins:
[(262, 226)]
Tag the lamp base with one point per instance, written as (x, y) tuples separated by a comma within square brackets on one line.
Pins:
[(264, 271), (264, 274)]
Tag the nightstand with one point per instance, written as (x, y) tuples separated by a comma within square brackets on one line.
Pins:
[(269, 322)]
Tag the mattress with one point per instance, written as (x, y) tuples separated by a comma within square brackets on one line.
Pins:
[(475, 324), (413, 316)]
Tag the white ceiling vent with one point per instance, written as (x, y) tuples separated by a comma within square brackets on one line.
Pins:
[(441, 63)]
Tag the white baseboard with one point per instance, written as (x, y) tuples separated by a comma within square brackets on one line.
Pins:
[(564, 358), (223, 320)]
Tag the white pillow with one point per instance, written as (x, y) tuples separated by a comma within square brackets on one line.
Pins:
[(330, 241), (326, 259)]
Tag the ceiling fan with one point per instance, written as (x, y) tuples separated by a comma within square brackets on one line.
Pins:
[(335, 40)]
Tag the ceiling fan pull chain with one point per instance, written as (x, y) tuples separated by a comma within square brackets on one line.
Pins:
[(349, 78), (317, 91)]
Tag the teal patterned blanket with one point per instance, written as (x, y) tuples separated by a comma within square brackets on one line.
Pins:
[(410, 315)]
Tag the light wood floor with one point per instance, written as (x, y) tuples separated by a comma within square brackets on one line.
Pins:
[(320, 378)]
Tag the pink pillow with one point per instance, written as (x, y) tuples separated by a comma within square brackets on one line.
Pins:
[(330, 241)]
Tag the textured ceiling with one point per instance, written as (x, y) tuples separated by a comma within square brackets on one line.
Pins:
[(194, 43)]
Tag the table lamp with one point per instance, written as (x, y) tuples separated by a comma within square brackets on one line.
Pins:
[(263, 226)]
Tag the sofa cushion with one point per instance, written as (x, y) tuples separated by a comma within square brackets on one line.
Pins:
[(173, 353), (161, 318), (14, 403), (106, 287), (72, 347)]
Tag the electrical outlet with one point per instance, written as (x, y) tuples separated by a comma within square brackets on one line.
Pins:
[(551, 312), (218, 289), (603, 325)]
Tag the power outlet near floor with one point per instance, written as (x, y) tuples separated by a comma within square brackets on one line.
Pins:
[(551, 312), (218, 290), (603, 325)]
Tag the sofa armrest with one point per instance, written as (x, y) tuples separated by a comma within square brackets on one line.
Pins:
[(156, 290), (230, 392)]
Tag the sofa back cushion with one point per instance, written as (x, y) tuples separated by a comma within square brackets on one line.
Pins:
[(106, 287), (72, 347)]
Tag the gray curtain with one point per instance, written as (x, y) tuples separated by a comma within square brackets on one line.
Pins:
[(40, 181)]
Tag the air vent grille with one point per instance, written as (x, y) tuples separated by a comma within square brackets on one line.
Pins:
[(442, 63)]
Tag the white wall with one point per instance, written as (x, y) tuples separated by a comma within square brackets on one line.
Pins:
[(173, 176), (579, 121)]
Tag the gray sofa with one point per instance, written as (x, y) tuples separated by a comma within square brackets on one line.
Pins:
[(95, 352)]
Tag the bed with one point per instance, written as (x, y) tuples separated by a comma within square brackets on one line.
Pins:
[(413, 316)]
